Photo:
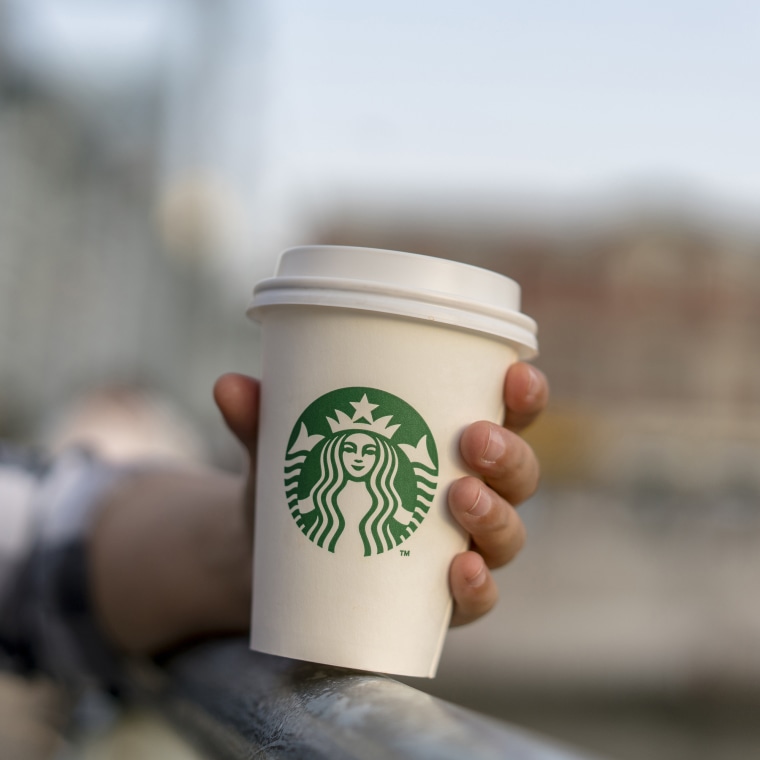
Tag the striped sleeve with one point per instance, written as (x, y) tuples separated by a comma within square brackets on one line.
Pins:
[(47, 508)]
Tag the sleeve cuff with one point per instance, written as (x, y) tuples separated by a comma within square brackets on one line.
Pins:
[(70, 644)]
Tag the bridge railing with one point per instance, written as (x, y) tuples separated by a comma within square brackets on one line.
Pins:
[(236, 704)]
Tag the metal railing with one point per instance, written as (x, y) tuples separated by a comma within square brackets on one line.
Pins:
[(236, 704)]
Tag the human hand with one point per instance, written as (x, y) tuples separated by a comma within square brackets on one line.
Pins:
[(485, 506), (193, 536), (237, 397)]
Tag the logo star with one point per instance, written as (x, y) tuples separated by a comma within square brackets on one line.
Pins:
[(363, 409)]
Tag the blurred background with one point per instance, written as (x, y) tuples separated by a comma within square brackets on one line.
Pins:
[(156, 155)]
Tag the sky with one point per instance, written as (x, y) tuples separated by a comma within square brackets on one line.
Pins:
[(490, 92), (545, 95), (316, 102)]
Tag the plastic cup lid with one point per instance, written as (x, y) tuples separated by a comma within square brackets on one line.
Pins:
[(404, 284)]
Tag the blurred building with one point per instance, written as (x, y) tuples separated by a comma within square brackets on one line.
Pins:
[(110, 248)]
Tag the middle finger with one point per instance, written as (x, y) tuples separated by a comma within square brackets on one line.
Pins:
[(504, 460)]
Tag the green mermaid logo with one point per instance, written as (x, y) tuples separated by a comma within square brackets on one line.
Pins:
[(354, 481)]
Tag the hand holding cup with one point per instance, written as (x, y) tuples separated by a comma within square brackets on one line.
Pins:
[(374, 362), (484, 505)]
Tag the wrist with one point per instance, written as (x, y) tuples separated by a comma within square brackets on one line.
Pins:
[(170, 559)]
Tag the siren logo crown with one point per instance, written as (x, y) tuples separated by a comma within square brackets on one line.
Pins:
[(363, 410)]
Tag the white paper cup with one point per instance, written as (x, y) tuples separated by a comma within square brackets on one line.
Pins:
[(373, 363)]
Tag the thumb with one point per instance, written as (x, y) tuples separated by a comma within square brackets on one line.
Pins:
[(237, 397)]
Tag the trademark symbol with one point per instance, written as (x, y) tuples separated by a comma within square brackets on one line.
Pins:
[(405, 552)]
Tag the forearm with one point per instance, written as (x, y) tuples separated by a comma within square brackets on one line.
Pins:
[(170, 559)]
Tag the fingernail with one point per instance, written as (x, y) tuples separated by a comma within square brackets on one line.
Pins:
[(495, 446), (481, 505), (479, 578)]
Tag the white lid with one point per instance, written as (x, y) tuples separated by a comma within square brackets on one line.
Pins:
[(406, 284)]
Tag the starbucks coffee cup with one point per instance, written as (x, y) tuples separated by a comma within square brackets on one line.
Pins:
[(373, 363)]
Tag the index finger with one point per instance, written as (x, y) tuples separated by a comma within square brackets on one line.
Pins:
[(526, 394)]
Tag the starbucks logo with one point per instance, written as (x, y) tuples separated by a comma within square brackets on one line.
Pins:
[(361, 469)]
